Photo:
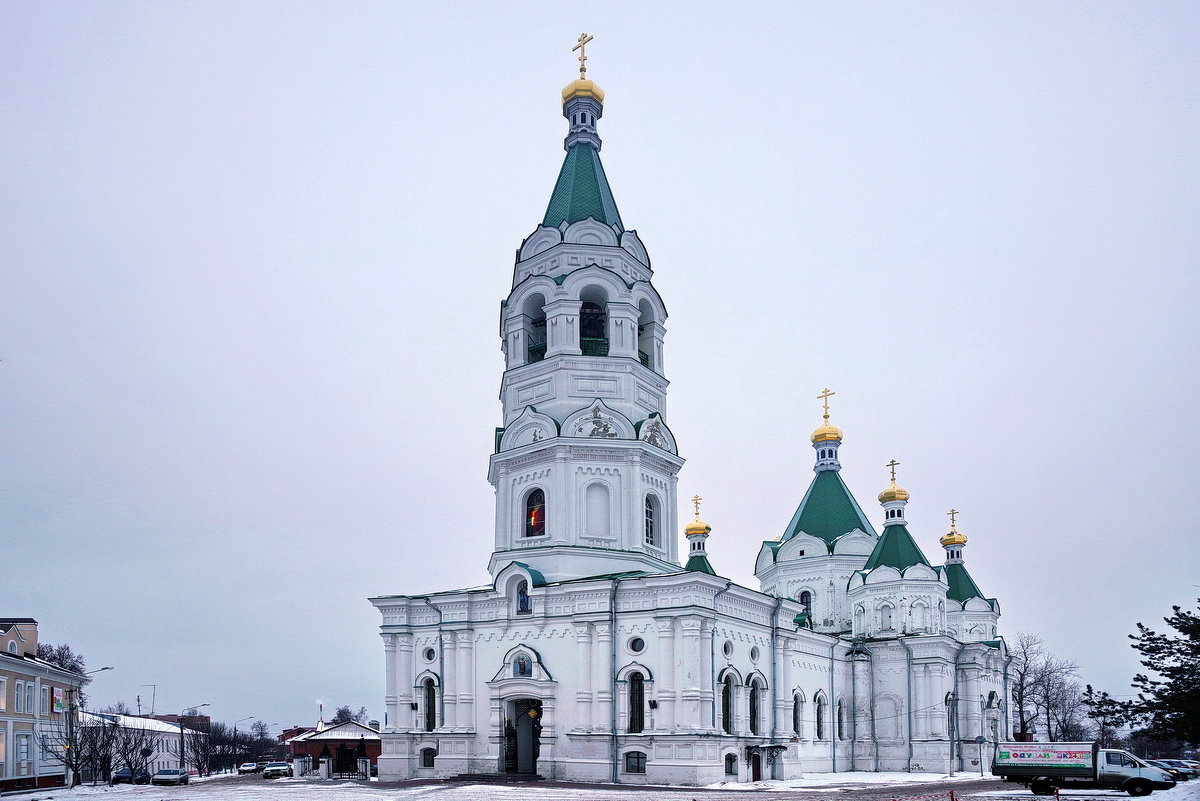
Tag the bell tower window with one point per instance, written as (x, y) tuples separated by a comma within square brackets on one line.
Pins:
[(593, 322), (534, 324), (651, 520), (535, 513)]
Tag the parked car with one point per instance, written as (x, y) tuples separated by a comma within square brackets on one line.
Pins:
[(1183, 766), (170, 776), (248, 767), (1175, 773), (275, 770), (126, 776)]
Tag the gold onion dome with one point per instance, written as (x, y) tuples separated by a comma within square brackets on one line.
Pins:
[(953, 537), (582, 87), (697, 526), (827, 432), (894, 492)]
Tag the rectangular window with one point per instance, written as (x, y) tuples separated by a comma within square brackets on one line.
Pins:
[(3, 754), (45, 702), (3, 698), (19, 697), (29, 707), (22, 748)]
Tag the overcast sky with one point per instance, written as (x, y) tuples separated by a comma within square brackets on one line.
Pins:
[(252, 254)]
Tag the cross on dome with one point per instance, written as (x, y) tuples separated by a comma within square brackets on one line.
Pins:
[(584, 38)]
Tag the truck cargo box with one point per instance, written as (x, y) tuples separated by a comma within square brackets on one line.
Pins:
[(1074, 760)]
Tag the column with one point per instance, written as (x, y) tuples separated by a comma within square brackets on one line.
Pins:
[(602, 708), (389, 679), (585, 668), (562, 327), (782, 691), (404, 683), (693, 672), (622, 329), (449, 681), (465, 675), (664, 679)]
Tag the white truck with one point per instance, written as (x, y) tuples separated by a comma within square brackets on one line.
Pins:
[(1046, 767)]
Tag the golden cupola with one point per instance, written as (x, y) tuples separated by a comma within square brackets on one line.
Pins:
[(893, 499), (826, 439), (953, 537), (894, 492)]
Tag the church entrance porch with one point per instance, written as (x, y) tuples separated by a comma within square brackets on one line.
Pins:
[(522, 736)]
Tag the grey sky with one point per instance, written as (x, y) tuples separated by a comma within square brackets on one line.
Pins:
[(252, 255)]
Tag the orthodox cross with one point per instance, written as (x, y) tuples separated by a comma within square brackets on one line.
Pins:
[(696, 503), (824, 398), (952, 513), (584, 38), (892, 466)]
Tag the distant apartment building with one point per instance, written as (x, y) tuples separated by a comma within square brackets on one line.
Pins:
[(35, 696)]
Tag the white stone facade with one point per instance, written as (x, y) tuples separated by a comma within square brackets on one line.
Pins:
[(593, 655)]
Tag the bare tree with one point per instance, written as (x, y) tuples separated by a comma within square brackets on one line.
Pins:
[(1028, 653), (133, 746), (199, 749)]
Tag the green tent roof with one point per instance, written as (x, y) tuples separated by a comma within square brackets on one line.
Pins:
[(897, 549), (699, 564), (962, 586), (828, 510), (582, 191)]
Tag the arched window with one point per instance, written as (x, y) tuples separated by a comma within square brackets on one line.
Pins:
[(427, 757), (806, 602), (885, 617), (797, 714), (754, 699), (535, 513), (524, 604), (860, 620), (522, 666), (821, 718), (651, 520), (841, 719), (596, 517), (731, 764), (637, 703), (635, 762), (534, 324), (593, 322), (646, 348), (430, 693), (727, 705)]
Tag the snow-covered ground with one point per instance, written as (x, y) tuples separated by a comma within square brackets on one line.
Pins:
[(842, 784)]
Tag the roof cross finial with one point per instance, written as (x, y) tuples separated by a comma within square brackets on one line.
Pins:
[(824, 398), (584, 38), (696, 503), (892, 465), (953, 513)]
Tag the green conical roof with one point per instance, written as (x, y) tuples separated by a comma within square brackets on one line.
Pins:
[(962, 586), (582, 191), (897, 549), (828, 510), (699, 564)]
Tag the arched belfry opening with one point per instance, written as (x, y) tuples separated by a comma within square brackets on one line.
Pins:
[(593, 321), (646, 349), (533, 320)]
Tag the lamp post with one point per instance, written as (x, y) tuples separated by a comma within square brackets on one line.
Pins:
[(70, 712), (235, 739), (182, 752)]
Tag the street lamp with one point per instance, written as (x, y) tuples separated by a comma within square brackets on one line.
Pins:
[(236, 749), (70, 711), (182, 752)]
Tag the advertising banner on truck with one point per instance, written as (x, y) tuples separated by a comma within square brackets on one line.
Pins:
[(1038, 755)]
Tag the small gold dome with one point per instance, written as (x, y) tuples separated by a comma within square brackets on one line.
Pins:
[(953, 537), (697, 526), (582, 87), (893, 493), (826, 432)]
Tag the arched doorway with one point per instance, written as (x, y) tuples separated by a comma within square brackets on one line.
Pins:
[(522, 736), (756, 767)]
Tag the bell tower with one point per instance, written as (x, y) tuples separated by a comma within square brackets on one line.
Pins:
[(585, 466)]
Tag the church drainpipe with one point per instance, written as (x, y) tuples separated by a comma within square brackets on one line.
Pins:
[(871, 681), (612, 616), (833, 733), (953, 733), (853, 706), (774, 683), (1006, 717), (712, 652), (441, 665), (908, 704)]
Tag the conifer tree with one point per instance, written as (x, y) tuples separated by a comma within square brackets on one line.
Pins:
[(1169, 697)]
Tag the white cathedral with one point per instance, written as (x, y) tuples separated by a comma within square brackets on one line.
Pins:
[(592, 655)]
